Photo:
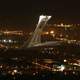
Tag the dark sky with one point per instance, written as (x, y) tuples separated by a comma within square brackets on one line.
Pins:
[(27, 12)]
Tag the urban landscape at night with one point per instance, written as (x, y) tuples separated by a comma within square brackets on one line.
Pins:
[(52, 53), (40, 40)]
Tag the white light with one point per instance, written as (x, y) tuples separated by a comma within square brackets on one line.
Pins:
[(10, 41), (44, 18), (62, 67), (65, 60), (4, 40), (1, 66), (62, 24), (15, 71), (51, 32)]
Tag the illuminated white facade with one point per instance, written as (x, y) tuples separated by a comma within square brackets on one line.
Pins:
[(36, 38)]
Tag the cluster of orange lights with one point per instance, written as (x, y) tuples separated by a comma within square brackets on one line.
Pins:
[(12, 32), (49, 32)]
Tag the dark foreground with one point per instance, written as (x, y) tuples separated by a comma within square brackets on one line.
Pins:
[(44, 75), (45, 63)]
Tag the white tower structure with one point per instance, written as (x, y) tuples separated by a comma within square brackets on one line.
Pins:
[(36, 37)]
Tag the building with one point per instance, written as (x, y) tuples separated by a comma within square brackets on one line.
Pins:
[(12, 39)]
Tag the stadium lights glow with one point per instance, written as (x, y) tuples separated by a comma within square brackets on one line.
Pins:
[(44, 18)]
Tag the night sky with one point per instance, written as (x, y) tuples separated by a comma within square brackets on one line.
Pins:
[(27, 12)]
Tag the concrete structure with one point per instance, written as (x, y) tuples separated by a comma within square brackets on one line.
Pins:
[(36, 37)]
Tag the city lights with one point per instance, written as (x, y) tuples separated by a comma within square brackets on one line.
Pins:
[(63, 25), (43, 18), (51, 50), (15, 71), (62, 67), (65, 60), (10, 41), (52, 32), (46, 33)]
